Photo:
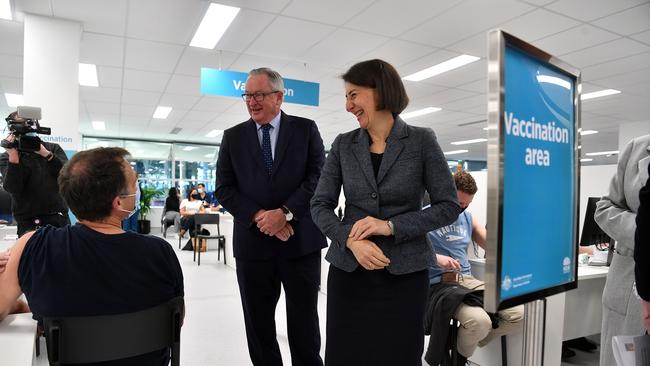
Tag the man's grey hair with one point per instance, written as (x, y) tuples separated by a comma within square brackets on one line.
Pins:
[(275, 79)]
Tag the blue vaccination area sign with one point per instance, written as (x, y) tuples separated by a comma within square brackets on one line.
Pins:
[(233, 84), (534, 119)]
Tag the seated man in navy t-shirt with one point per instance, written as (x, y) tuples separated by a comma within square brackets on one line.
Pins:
[(93, 267)]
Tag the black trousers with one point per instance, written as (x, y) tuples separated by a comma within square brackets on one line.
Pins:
[(259, 287), (56, 220), (375, 318)]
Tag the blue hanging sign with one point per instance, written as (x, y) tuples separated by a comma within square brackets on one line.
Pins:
[(233, 84)]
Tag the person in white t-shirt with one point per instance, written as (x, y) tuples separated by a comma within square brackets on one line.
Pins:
[(190, 207)]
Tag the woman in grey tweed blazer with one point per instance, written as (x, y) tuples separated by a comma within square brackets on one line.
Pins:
[(377, 284)]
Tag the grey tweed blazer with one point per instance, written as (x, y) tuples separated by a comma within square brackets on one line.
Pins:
[(412, 164)]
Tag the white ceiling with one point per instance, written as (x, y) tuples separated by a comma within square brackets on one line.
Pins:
[(141, 49)]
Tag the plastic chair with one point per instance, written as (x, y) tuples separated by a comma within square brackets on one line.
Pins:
[(208, 219), (91, 339)]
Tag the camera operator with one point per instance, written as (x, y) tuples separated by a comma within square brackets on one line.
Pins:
[(31, 179)]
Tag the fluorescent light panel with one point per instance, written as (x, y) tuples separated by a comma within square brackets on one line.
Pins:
[(189, 148), (586, 160), (88, 75), (442, 67), (5, 9), (420, 112), (99, 125), (162, 112), (598, 94), (588, 132), (454, 152), (214, 24), (600, 153), (14, 100), (465, 142), (214, 133)]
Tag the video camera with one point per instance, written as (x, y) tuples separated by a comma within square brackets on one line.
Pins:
[(25, 127)]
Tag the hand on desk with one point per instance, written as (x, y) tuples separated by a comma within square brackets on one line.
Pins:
[(645, 314), (368, 254), (4, 258)]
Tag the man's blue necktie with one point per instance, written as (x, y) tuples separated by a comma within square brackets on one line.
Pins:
[(267, 155)]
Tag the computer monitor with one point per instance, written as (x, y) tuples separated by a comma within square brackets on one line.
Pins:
[(592, 234)]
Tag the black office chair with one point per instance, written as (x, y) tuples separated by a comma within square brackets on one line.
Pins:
[(90, 339), (208, 219)]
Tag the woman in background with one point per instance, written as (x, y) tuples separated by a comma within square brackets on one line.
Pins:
[(378, 282), (171, 211)]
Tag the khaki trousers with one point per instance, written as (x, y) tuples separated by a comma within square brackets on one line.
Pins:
[(475, 324)]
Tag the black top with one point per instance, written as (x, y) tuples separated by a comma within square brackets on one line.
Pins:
[(76, 271), (172, 204), (32, 183), (376, 162), (642, 243)]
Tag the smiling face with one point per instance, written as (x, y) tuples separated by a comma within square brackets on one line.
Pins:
[(264, 111), (361, 101)]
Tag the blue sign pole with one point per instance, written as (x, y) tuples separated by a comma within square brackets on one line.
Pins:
[(233, 84)]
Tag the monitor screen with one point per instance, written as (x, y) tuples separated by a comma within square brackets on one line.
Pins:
[(592, 234)]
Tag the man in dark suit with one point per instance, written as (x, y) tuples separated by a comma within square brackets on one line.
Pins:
[(267, 171)]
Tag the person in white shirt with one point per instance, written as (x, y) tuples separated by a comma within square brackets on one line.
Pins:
[(190, 207)]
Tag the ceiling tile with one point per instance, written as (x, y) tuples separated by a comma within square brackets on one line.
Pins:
[(11, 85), (100, 94), (604, 52), (593, 10), (342, 46), (100, 49), (478, 16), (246, 62), (303, 35), (642, 37), (96, 15), (392, 18), (215, 104), (181, 84), (11, 66), (616, 67), (139, 97), (145, 80), (137, 110), (94, 108), (179, 101), (329, 12), (463, 75), (535, 25), (574, 39), (244, 29), (152, 56), (397, 52), (193, 59), (38, 7), (11, 37), (110, 77), (174, 21), (270, 6), (627, 22), (479, 86)]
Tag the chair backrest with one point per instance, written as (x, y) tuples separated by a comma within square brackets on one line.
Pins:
[(206, 219), (102, 338)]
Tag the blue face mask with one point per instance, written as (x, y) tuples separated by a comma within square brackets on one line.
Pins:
[(136, 203)]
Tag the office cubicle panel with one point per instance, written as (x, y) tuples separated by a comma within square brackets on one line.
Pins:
[(533, 173)]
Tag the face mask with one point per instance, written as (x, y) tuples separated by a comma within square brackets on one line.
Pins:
[(136, 203), (200, 190)]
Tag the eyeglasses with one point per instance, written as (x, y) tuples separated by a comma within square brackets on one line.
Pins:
[(259, 96)]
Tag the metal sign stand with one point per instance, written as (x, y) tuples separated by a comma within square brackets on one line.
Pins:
[(534, 328)]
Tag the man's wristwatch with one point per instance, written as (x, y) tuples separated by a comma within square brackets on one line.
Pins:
[(288, 215)]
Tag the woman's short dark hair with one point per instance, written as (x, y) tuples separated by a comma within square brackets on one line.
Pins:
[(173, 192), (381, 76), (91, 180)]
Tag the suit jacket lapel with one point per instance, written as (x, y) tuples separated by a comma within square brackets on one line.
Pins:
[(394, 147), (253, 140), (283, 141), (361, 151)]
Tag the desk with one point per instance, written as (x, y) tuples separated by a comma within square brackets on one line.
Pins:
[(17, 340), (569, 315)]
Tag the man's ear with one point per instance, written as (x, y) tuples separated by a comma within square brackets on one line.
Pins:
[(117, 203)]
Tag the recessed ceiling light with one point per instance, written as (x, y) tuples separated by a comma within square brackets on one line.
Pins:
[(420, 112), (584, 160), (214, 24), (600, 153), (598, 94), (454, 152), (162, 112), (189, 148), (214, 133), (465, 142), (88, 75), (588, 132), (14, 100), (5, 9), (99, 125), (442, 67)]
